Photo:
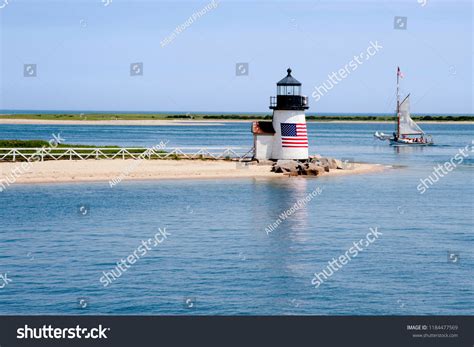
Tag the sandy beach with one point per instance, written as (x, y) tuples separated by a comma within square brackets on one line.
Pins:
[(123, 170)]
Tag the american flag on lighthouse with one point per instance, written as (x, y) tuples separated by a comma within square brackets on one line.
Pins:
[(294, 135)]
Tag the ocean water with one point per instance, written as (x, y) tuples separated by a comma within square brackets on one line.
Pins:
[(218, 259)]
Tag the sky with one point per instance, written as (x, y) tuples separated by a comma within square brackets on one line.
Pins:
[(83, 53)]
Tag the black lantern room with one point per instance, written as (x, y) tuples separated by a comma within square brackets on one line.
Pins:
[(289, 95)]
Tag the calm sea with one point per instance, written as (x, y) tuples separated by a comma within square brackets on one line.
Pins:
[(57, 239)]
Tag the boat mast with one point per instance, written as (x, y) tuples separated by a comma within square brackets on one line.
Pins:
[(398, 102)]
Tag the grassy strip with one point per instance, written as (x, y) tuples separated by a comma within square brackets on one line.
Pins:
[(352, 118), (164, 116)]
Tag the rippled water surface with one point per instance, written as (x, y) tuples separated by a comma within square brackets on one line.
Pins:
[(218, 259)]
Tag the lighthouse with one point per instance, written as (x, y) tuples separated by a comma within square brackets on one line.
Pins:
[(285, 137)]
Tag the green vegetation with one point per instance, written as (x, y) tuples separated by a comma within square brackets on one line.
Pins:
[(247, 117), (349, 118), (392, 118), (83, 117)]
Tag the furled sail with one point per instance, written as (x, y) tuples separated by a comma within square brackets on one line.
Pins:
[(408, 125)]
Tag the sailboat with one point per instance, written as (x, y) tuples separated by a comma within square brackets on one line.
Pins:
[(408, 133)]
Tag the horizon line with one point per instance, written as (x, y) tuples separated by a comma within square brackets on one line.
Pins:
[(32, 111)]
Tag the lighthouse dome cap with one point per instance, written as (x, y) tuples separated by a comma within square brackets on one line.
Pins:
[(289, 80)]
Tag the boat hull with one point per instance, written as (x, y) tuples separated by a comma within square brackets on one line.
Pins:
[(409, 143)]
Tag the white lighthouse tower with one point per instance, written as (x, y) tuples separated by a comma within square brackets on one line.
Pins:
[(286, 136)]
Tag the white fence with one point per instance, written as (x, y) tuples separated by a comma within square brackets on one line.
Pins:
[(84, 153)]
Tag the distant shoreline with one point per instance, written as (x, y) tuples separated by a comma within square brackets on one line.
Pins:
[(190, 122), (206, 118)]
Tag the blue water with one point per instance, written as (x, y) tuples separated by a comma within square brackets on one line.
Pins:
[(218, 255)]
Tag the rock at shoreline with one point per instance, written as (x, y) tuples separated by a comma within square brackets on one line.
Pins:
[(286, 166), (312, 169), (315, 166), (332, 163)]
